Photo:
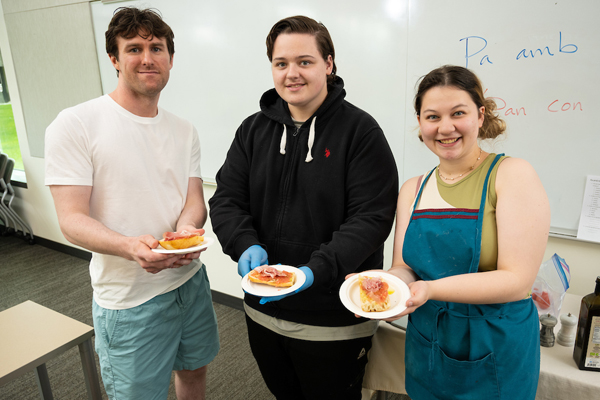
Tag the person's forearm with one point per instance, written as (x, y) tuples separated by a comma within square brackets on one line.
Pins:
[(194, 218), (480, 288), (72, 209), (194, 211), (230, 218), (406, 274), (92, 235)]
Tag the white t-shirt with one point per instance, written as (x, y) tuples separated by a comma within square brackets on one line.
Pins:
[(139, 169)]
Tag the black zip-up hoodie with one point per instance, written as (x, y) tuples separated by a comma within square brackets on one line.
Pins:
[(331, 213)]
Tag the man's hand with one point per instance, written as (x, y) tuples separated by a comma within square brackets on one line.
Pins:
[(141, 252), (310, 278), (253, 257)]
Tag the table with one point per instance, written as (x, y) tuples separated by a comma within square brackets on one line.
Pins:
[(32, 334), (559, 376), (385, 370)]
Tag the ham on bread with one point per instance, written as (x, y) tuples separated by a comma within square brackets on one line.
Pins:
[(272, 276), (374, 294), (182, 240)]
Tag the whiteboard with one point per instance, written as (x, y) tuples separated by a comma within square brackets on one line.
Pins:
[(547, 97), (221, 67), (537, 58)]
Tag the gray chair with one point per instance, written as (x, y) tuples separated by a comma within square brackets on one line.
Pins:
[(13, 221), (5, 215)]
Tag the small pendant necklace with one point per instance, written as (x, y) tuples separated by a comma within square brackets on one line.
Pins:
[(459, 176)]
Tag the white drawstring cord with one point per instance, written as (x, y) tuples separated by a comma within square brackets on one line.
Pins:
[(311, 140), (283, 140)]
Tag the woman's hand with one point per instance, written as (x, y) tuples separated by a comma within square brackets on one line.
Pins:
[(419, 294)]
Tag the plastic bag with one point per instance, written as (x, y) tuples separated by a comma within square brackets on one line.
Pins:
[(550, 285)]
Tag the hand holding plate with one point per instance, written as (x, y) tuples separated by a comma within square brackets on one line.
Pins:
[(419, 292), (350, 296), (253, 257), (310, 278)]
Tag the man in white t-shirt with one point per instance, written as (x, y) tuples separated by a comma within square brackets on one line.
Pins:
[(122, 171)]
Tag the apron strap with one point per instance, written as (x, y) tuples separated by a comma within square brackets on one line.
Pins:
[(434, 341), (475, 262), (420, 189)]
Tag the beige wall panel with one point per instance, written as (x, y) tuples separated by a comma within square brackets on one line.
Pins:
[(13, 6), (54, 54)]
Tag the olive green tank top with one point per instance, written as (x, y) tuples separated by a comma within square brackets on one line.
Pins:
[(466, 193)]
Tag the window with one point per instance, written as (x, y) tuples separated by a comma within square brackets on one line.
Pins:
[(9, 144)]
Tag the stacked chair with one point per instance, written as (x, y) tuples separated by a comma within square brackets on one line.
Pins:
[(9, 217)]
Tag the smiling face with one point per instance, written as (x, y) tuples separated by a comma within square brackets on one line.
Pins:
[(450, 122), (144, 65), (300, 73)]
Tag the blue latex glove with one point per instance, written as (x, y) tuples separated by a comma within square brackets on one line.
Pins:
[(253, 257), (310, 278)]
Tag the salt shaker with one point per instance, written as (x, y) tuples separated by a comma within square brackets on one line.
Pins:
[(566, 334), (547, 332)]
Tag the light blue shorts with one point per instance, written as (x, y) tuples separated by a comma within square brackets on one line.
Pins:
[(139, 347)]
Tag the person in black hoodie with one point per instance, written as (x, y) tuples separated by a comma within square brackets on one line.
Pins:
[(309, 181)]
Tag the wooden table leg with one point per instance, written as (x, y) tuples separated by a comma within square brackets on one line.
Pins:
[(90, 372), (41, 374)]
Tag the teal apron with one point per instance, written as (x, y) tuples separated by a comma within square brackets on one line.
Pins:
[(464, 351)]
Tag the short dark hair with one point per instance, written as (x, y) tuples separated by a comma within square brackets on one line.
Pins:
[(463, 79), (302, 24), (128, 22)]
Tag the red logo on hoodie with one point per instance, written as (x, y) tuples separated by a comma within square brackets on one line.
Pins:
[(327, 152)]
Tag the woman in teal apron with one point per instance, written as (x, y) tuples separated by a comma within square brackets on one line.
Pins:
[(473, 330)]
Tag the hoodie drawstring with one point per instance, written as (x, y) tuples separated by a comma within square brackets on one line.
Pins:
[(311, 140), (283, 140)]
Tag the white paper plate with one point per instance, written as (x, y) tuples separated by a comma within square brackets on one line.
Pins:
[(262, 290), (207, 242), (350, 295)]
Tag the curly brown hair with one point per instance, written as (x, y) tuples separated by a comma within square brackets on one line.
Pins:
[(463, 79), (302, 24), (128, 22)]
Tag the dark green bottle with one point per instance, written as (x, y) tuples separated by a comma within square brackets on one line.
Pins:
[(587, 337)]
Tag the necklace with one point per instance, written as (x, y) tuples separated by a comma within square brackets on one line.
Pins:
[(459, 176)]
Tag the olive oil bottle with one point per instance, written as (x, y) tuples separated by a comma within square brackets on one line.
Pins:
[(587, 338)]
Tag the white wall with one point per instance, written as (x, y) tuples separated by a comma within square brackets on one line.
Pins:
[(36, 206)]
